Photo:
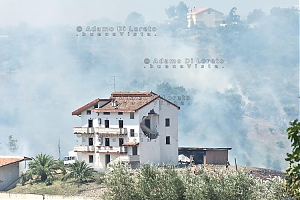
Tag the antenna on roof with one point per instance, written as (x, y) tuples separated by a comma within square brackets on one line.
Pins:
[(114, 83)]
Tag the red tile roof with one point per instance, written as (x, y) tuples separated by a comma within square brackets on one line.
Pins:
[(130, 101), (125, 101), (83, 108), (197, 10), (7, 160)]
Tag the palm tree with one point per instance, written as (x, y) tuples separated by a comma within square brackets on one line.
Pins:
[(43, 166), (80, 171)]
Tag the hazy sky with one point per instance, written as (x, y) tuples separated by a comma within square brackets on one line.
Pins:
[(76, 12)]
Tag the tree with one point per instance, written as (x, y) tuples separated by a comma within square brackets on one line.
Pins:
[(135, 19), (79, 171), (233, 18), (43, 166), (178, 13), (293, 171), (256, 16), (12, 144), (171, 12), (181, 12)]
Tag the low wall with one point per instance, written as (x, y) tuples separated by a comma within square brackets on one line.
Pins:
[(10, 196)]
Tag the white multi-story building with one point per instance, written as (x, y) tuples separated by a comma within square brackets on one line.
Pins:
[(130, 127)]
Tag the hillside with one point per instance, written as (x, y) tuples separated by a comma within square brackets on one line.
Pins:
[(96, 188), (270, 142)]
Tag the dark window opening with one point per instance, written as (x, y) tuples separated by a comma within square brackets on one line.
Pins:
[(107, 159), (120, 113), (167, 122), (96, 106), (131, 115), (91, 158), (88, 112), (147, 123), (131, 132), (168, 140), (121, 141), (106, 113), (106, 123), (120, 123), (90, 121), (134, 150), (107, 142), (91, 142)]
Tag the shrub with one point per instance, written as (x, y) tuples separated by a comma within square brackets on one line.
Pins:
[(150, 182), (48, 181)]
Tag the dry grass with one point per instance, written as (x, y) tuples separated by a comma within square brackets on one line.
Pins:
[(66, 188)]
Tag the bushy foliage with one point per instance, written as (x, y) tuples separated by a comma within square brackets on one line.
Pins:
[(293, 171), (25, 177), (43, 166), (80, 171), (168, 182)]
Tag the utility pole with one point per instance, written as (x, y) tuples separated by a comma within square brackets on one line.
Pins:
[(58, 148), (114, 84)]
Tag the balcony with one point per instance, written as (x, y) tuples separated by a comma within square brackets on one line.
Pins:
[(100, 130), (129, 158), (84, 148), (111, 149)]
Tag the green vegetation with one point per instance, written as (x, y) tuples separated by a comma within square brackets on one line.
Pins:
[(43, 166), (293, 171), (80, 171), (168, 182), (12, 144)]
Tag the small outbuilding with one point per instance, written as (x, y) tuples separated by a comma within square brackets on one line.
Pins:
[(216, 156), (11, 169)]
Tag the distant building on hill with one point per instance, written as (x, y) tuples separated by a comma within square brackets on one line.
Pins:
[(128, 127), (204, 17), (216, 156), (11, 169)]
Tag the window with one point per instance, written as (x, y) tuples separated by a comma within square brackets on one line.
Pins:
[(106, 113), (120, 113), (88, 112), (91, 142), (96, 105), (120, 123), (107, 142), (167, 122), (106, 123), (91, 158), (121, 141), (90, 123), (168, 140), (131, 115), (134, 150), (131, 132)]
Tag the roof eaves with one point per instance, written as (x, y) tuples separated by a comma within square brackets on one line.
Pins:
[(79, 110)]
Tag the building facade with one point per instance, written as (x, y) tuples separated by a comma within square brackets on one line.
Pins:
[(128, 127), (216, 156), (11, 169), (204, 17)]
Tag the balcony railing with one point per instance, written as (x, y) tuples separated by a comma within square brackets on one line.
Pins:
[(84, 148), (111, 149), (99, 130), (129, 158)]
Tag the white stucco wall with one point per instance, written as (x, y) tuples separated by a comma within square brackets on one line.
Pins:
[(157, 151), (8, 174), (169, 152), (154, 151)]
